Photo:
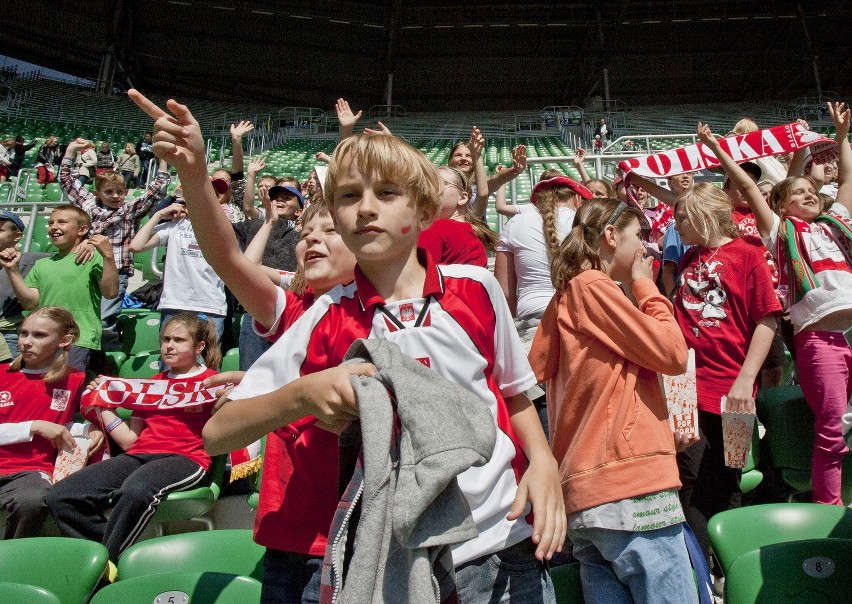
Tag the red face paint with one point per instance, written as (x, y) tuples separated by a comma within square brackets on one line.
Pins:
[(406, 229)]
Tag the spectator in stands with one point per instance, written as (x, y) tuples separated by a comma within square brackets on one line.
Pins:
[(597, 145), (106, 159), (41, 393), (257, 164), (60, 281), (21, 149), (457, 237), (603, 131), (163, 451), (11, 312), (598, 187), (770, 168), (600, 354), (145, 151), (279, 252), (7, 146), (467, 157), (112, 215), (47, 160), (230, 186), (726, 306), (189, 282), (87, 162), (820, 292), (127, 165)]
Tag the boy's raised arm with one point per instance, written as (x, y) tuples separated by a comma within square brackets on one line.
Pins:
[(255, 166), (178, 141), (841, 116), (763, 214), (10, 259), (238, 131)]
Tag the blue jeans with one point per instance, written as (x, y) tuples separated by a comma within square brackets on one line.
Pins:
[(290, 578), (511, 575), (625, 566), (12, 341), (251, 344), (111, 307)]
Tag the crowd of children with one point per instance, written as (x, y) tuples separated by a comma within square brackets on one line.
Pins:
[(384, 245)]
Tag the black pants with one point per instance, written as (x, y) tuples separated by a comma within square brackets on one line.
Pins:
[(133, 484), (709, 486), (22, 494)]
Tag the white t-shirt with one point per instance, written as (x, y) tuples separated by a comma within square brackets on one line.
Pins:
[(189, 283), (523, 237)]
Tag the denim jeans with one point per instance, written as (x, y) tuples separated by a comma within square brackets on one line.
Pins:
[(511, 575), (626, 567), (290, 578), (111, 307), (12, 341), (251, 344)]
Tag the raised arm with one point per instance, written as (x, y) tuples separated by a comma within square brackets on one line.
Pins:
[(346, 118), (580, 164), (145, 237), (238, 131), (841, 116), (504, 176), (661, 193), (477, 145), (762, 212), (500, 200), (178, 140), (10, 259), (255, 166)]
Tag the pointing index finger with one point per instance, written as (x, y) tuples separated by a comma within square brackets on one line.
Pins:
[(150, 109)]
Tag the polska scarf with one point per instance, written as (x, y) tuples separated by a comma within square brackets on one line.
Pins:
[(744, 147), (150, 395)]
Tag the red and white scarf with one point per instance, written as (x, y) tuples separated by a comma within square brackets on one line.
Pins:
[(744, 147), (163, 395)]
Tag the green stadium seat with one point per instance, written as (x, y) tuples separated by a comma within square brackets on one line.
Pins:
[(142, 365), (735, 532), (230, 551), (26, 594), (751, 476), (140, 332), (114, 360), (65, 567), (206, 588), (809, 571), (231, 360), (193, 503)]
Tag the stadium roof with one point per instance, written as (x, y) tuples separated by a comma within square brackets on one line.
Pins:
[(444, 56)]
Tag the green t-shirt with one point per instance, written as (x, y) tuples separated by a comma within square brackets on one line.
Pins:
[(61, 282)]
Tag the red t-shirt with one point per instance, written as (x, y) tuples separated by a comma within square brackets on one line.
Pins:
[(747, 226), (24, 396), (661, 218), (722, 294), (453, 242), (177, 431)]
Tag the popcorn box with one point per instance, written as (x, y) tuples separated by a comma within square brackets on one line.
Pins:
[(737, 430), (682, 399)]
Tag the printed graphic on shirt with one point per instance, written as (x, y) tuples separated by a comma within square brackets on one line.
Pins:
[(60, 399), (6, 398), (702, 292)]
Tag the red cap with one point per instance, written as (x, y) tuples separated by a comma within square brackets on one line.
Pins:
[(561, 181)]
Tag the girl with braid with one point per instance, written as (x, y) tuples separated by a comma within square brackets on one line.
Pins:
[(528, 244)]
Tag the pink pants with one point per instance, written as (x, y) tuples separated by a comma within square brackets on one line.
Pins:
[(824, 365)]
